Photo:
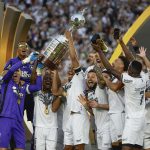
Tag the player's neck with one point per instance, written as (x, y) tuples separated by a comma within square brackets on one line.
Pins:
[(22, 57), (46, 91)]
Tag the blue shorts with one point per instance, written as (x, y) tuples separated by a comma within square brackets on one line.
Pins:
[(11, 127)]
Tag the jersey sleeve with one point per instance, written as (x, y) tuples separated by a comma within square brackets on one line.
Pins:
[(8, 65), (80, 73), (36, 87), (11, 71), (126, 79)]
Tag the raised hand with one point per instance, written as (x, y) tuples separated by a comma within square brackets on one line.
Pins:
[(97, 46), (142, 51), (133, 41), (68, 34)]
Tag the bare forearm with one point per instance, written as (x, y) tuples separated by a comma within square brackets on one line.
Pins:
[(114, 86), (56, 83), (73, 54), (126, 51), (108, 66), (147, 94), (103, 106), (147, 62), (56, 104)]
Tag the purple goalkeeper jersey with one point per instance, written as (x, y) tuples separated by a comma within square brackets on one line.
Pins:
[(26, 70), (13, 95)]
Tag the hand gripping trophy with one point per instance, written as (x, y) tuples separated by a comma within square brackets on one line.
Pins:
[(58, 47)]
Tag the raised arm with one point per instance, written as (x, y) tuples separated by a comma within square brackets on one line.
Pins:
[(142, 54), (101, 81), (113, 86), (57, 90), (38, 85), (126, 51), (105, 61), (34, 74), (11, 71), (15, 67), (56, 104), (72, 51)]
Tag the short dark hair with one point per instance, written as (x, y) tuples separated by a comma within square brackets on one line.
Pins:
[(92, 71), (107, 72), (136, 66), (125, 62), (22, 44)]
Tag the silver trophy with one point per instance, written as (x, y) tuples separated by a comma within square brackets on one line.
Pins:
[(58, 47)]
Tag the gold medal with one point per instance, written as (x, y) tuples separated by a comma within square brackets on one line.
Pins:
[(18, 101), (46, 110)]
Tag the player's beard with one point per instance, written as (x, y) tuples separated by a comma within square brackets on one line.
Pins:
[(92, 87)]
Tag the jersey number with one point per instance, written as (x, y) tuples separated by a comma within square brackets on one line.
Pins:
[(142, 96)]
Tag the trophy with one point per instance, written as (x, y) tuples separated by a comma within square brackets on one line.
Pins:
[(101, 81), (58, 47)]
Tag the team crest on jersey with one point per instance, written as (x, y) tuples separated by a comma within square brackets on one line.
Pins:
[(25, 74), (90, 95), (127, 81), (46, 98), (67, 86)]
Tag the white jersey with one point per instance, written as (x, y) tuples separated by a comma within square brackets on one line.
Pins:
[(77, 86), (116, 100), (147, 76), (134, 95), (147, 111), (41, 119), (66, 114), (101, 116)]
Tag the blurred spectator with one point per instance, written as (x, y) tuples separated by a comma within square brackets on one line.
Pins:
[(52, 16)]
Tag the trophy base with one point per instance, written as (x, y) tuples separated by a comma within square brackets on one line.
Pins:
[(50, 64)]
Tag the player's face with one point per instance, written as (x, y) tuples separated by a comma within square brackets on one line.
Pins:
[(23, 52), (70, 74), (107, 76), (118, 64), (16, 76), (91, 80), (91, 58), (98, 60), (47, 81)]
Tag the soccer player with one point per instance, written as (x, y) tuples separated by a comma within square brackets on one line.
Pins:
[(45, 115), (98, 100), (63, 93), (116, 96), (77, 126), (22, 53), (13, 94), (135, 87), (141, 57), (146, 61)]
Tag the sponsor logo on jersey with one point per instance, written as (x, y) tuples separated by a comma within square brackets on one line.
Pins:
[(25, 74)]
